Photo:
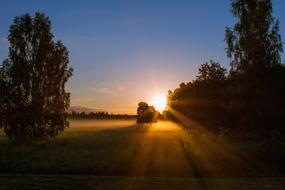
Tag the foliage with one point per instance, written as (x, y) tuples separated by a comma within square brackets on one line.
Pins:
[(146, 113), (211, 72), (257, 76), (202, 99), (254, 43), (33, 80), (248, 102)]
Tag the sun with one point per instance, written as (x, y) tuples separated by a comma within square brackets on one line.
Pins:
[(159, 102)]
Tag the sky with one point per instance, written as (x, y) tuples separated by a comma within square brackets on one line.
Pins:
[(126, 51)]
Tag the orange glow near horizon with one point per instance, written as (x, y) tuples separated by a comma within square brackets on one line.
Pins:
[(159, 102)]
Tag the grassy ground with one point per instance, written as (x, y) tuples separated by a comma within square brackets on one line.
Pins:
[(154, 156), (86, 147), (64, 182), (117, 147)]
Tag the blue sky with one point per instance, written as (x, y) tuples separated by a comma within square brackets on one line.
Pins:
[(125, 51)]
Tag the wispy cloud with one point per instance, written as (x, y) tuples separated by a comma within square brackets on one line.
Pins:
[(4, 42), (103, 90), (82, 99)]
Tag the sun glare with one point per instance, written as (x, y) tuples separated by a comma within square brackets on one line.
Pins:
[(159, 102)]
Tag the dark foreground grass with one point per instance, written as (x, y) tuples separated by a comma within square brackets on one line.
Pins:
[(99, 147), (64, 182)]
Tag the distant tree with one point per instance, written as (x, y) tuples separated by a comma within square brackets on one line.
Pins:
[(142, 107), (146, 113), (33, 79)]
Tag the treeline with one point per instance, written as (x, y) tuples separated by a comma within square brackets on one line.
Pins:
[(248, 100), (99, 115)]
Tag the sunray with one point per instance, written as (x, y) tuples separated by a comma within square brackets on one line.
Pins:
[(208, 146)]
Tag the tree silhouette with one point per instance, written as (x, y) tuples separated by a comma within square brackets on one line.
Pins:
[(142, 107), (146, 113), (2, 103), (254, 42), (33, 80), (203, 98), (254, 47), (211, 71), (249, 101)]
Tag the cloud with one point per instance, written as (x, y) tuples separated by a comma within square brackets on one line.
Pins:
[(4, 42), (82, 99), (103, 90)]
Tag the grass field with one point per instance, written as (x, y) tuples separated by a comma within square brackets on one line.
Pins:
[(64, 182), (120, 154)]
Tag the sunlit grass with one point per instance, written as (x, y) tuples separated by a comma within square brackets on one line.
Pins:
[(163, 126)]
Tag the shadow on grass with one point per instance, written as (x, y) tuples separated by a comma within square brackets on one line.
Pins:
[(106, 152)]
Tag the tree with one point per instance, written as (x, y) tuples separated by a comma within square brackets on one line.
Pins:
[(204, 98), (142, 107), (2, 88), (250, 100), (254, 42), (254, 47), (212, 71), (146, 113), (34, 77)]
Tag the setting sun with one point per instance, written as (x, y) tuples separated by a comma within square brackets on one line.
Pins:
[(159, 102)]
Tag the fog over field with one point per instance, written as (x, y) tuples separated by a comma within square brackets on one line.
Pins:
[(98, 124)]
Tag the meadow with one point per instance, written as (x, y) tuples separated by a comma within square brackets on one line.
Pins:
[(122, 154), (64, 182)]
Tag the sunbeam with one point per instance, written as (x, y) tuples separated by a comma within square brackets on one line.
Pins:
[(212, 152)]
